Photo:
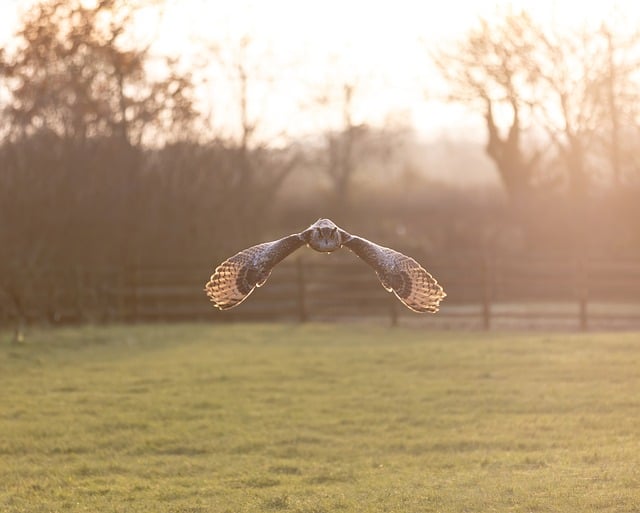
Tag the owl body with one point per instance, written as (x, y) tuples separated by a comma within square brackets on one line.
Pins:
[(323, 236)]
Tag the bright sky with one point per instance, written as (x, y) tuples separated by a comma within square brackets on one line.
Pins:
[(379, 45)]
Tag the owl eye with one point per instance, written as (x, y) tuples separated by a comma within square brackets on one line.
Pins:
[(334, 230)]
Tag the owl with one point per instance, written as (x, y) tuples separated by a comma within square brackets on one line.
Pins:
[(237, 277)]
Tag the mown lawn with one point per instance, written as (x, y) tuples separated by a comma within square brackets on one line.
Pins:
[(318, 418)]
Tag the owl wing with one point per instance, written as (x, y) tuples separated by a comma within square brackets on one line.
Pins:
[(237, 277), (400, 274)]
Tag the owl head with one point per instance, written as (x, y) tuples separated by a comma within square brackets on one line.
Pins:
[(324, 236)]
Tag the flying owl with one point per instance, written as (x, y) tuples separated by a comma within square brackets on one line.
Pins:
[(237, 277)]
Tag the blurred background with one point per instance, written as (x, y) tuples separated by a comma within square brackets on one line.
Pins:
[(144, 141)]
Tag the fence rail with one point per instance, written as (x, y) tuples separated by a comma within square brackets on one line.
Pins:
[(487, 292)]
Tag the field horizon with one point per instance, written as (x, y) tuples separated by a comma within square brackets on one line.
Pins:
[(317, 418)]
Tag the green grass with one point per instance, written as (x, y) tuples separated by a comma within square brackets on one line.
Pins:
[(317, 418)]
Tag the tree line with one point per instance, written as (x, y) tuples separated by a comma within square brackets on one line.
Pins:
[(107, 160)]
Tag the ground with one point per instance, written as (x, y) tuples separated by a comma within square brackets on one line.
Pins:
[(317, 418)]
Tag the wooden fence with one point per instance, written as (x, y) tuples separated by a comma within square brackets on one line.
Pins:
[(482, 293)]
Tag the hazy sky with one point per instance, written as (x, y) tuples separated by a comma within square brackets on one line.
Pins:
[(385, 42), (380, 45)]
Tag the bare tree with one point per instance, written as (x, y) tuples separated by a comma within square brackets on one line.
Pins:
[(491, 70), (352, 148), (620, 99), (576, 89), (340, 146), (77, 73), (261, 167), (573, 86)]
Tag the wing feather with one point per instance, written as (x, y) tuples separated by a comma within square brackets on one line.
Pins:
[(400, 274), (237, 277)]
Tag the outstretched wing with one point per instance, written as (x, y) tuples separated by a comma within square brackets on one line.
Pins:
[(400, 274), (237, 277)]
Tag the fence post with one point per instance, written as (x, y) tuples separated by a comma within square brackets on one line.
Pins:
[(487, 276), (79, 293), (393, 311), (120, 296), (583, 293), (135, 285), (131, 292), (300, 279)]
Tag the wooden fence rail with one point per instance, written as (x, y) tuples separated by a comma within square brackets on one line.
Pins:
[(487, 292)]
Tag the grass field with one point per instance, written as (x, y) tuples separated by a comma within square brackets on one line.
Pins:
[(318, 418)]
